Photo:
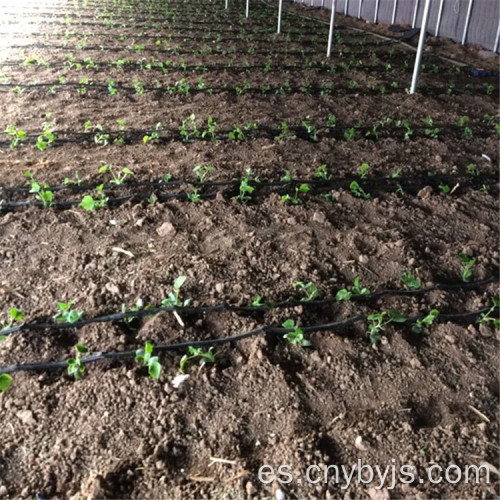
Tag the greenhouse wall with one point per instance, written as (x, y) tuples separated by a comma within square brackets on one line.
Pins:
[(483, 24)]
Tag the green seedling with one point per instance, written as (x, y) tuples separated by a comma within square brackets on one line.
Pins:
[(89, 203), (42, 193), (138, 87), (487, 317), (202, 171), (420, 324), (188, 129), (66, 314), (358, 191), (139, 306), (194, 196), (350, 134), (198, 353), (445, 189), (287, 176), (296, 336), (295, 199), (285, 133), (308, 289), (75, 181), (5, 382), (173, 299), (311, 131), (145, 358), (258, 302), (211, 131), (356, 291), (472, 169), (16, 135), (76, 368), (322, 173), (409, 280), (363, 170), (15, 316), (245, 188), (468, 264), (45, 140), (154, 136), (117, 177), (378, 322), (332, 121)]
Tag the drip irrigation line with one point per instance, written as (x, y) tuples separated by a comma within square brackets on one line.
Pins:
[(190, 311), (260, 190), (263, 330)]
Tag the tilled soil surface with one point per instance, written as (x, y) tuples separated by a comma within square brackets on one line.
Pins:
[(430, 193)]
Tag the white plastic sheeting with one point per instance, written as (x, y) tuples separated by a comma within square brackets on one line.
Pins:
[(482, 28)]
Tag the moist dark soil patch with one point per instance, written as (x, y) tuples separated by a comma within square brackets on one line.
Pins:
[(431, 194)]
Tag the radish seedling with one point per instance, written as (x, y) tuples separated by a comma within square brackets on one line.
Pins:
[(211, 131), (76, 180), (356, 291), (308, 289), (89, 203), (117, 177), (363, 170), (143, 356), (194, 196), (378, 322), (420, 324), (322, 173), (311, 131), (16, 135), (285, 133), (472, 169), (153, 136), (296, 336), (76, 368), (468, 264), (173, 297), (188, 128), (5, 381), (66, 314), (202, 171), (409, 280), (295, 200), (358, 191), (198, 353), (42, 193), (245, 188), (15, 316), (486, 318), (287, 176)]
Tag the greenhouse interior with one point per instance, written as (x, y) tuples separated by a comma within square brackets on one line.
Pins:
[(249, 249)]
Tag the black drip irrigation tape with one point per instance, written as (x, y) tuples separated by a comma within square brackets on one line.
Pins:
[(317, 188), (190, 311), (334, 327)]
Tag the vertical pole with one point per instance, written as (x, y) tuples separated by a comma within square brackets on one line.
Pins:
[(376, 11), (440, 13), (330, 34), (497, 39), (413, 24), (394, 11), (227, 1), (359, 9), (279, 16), (420, 48), (247, 10), (346, 8), (322, 4), (467, 19)]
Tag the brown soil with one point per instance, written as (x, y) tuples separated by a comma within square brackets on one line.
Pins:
[(418, 399)]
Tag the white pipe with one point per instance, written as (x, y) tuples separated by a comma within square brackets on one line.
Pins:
[(420, 48), (413, 24), (359, 9), (394, 11), (346, 8), (440, 13), (497, 39), (330, 33), (279, 16), (227, 1), (247, 10), (467, 19), (322, 4), (376, 11)]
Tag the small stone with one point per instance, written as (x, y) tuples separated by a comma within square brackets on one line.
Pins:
[(450, 339), (219, 287), (425, 193), (112, 288), (26, 417), (484, 331), (139, 222), (319, 217), (250, 489), (167, 229), (363, 259), (415, 363), (3, 490)]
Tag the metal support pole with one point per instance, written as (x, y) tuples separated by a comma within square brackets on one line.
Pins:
[(227, 2), (247, 10), (414, 22), (280, 5), (394, 8), (375, 17), (467, 19), (420, 48), (440, 13), (359, 9), (330, 34), (322, 4), (346, 8), (497, 39)]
